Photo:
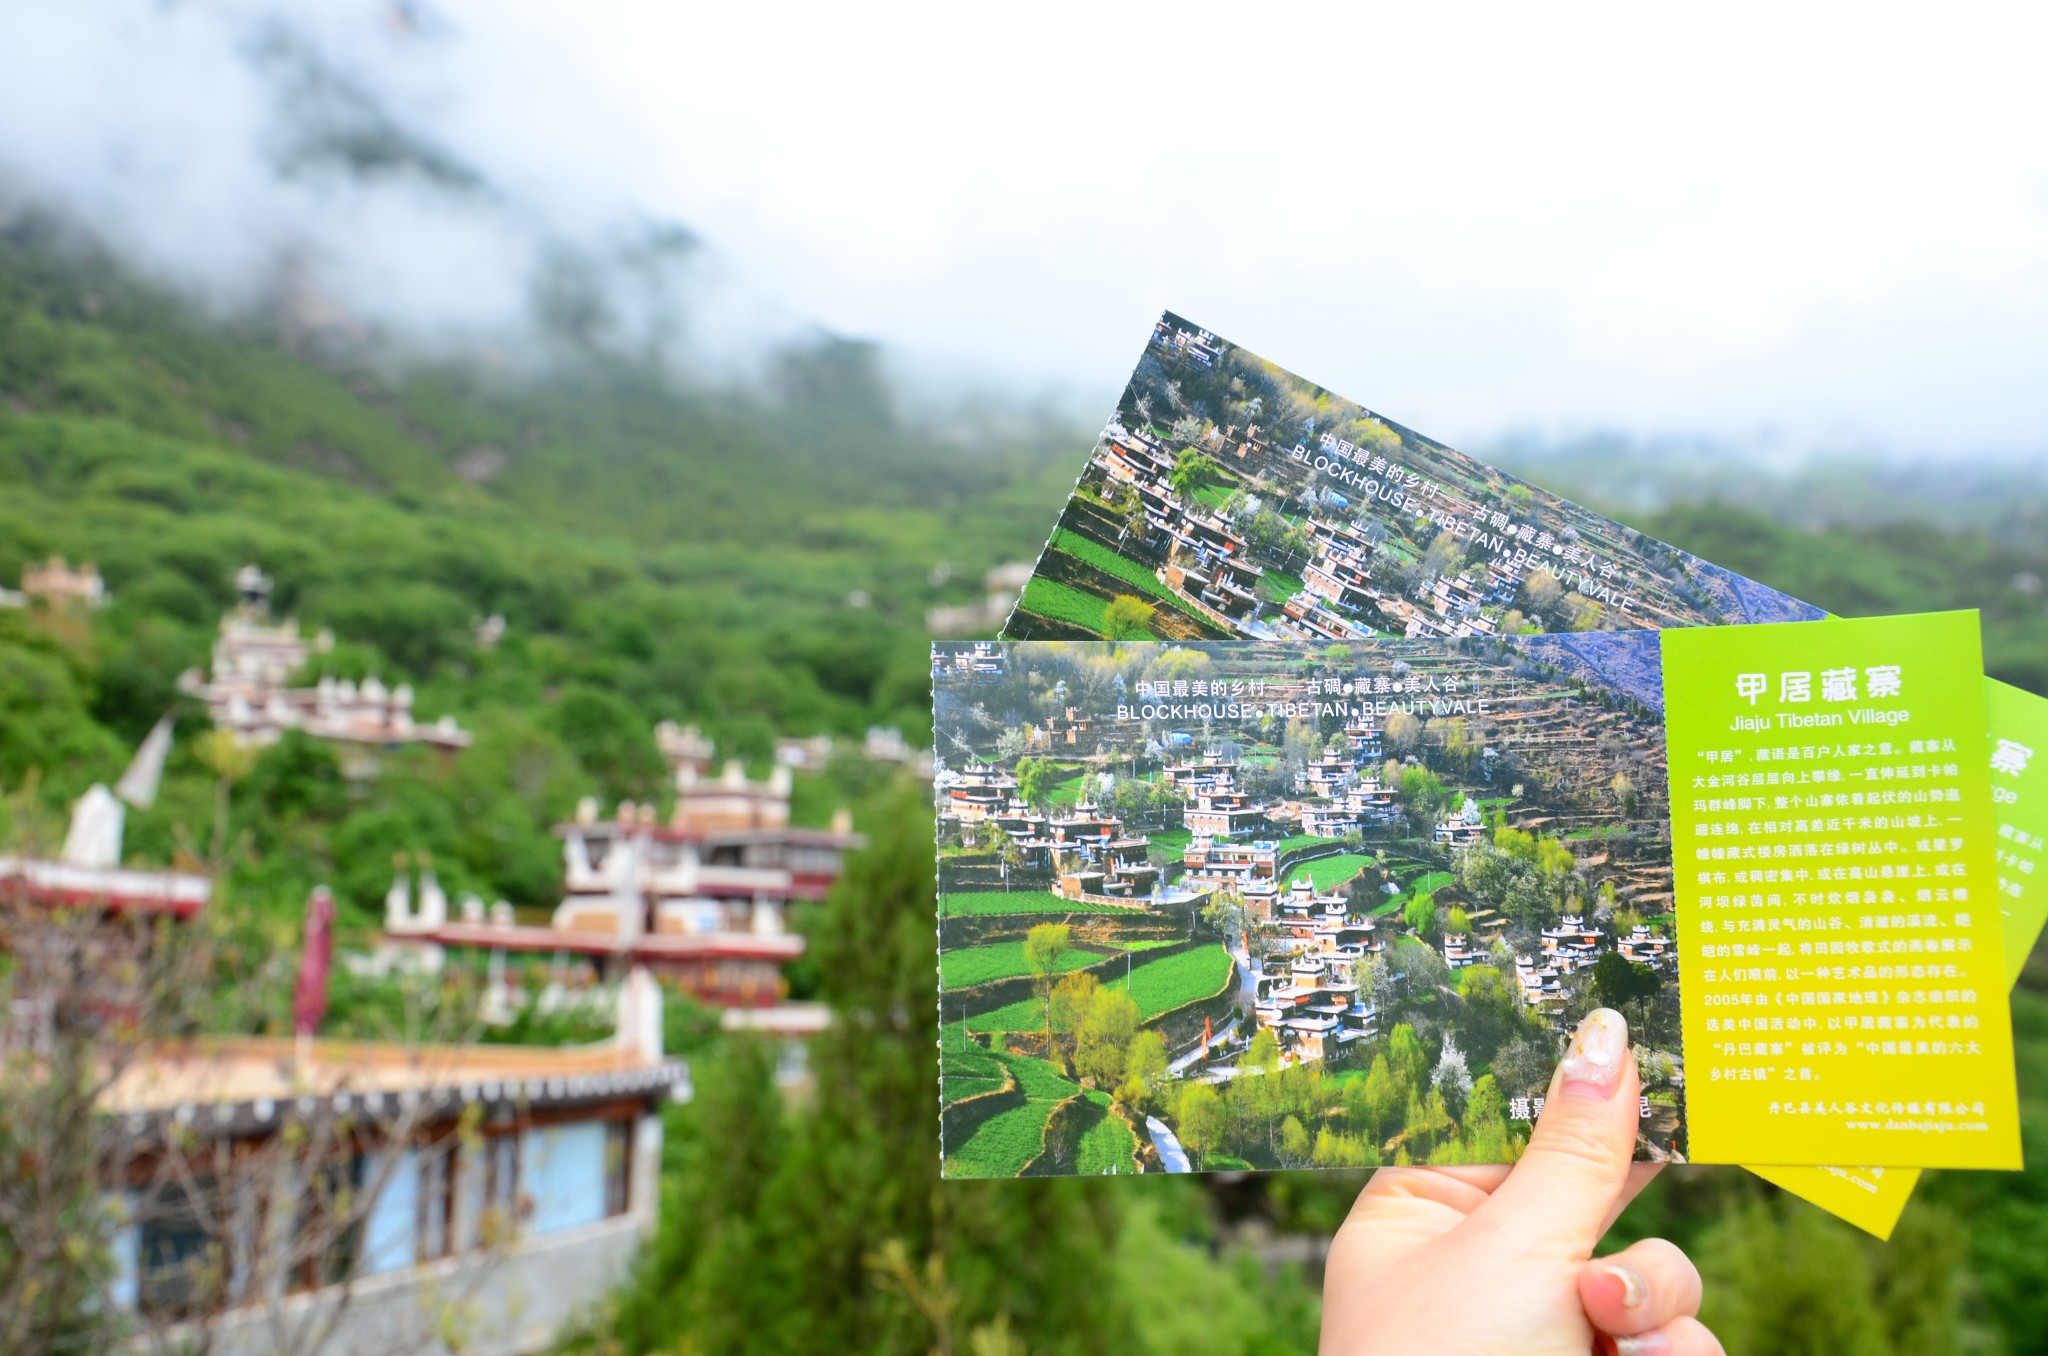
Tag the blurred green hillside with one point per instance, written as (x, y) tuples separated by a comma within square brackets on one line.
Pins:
[(759, 562)]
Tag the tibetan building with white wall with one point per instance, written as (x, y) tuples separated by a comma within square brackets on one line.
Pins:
[(703, 898), (247, 689), (492, 1190)]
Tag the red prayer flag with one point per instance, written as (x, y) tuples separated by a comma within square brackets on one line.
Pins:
[(316, 959)]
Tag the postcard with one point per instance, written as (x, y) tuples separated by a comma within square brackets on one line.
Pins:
[(1229, 498), (1225, 905)]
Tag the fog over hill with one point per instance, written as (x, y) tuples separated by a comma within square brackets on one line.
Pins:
[(1004, 217), (321, 170)]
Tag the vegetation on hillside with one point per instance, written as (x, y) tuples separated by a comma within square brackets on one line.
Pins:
[(760, 565)]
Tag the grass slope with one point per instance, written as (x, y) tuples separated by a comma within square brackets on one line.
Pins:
[(1107, 1144), (1330, 872), (1005, 1142), (1277, 586), (1109, 562), (998, 960), (1002, 1144), (994, 903), (1068, 790), (1057, 602), (966, 1072), (1158, 987)]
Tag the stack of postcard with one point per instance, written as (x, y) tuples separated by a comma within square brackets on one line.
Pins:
[(1325, 777)]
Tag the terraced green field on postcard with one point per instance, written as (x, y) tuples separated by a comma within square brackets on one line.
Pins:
[(999, 960), (1107, 1145), (1058, 602), (1159, 986), (1329, 872), (1069, 790), (966, 1072), (1299, 841), (1277, 586), (1095, 554), (1172, 840), (991, 903), (1003, 1144)]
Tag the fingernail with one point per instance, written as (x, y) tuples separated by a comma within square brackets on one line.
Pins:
[(1592, 1062), (1634, 1289), (1642, 1344)]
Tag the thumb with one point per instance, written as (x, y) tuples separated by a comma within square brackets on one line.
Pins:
[(1576, 1167)]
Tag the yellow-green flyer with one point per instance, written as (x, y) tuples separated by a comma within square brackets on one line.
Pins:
[(1874, 1198), (1837, 894)]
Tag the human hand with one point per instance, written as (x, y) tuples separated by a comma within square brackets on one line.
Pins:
[(1491, 1261)]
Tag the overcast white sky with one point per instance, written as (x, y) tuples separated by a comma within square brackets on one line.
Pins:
[(1832, 224)]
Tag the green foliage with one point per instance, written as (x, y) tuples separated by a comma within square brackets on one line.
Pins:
[(1127, 618), (766, 1252), (48, 725), (1045, 946), (1145, 1072), (1491, 1012), (610, 738), (1102, 1046), (1790, 1281), (1242, 1310), (1620, 980), (657, 552), (1419, 913), (1531, 880), (1193, 472), (1421, 789), (1295, 1145), (1200, 1120), (1263, 1054), (1036, 778)]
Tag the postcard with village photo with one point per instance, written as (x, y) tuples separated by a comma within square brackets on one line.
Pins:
[(1225, 906), (1253, 905), (1229, 498)]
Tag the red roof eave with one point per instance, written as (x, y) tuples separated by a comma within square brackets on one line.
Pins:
[(650, 945)]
